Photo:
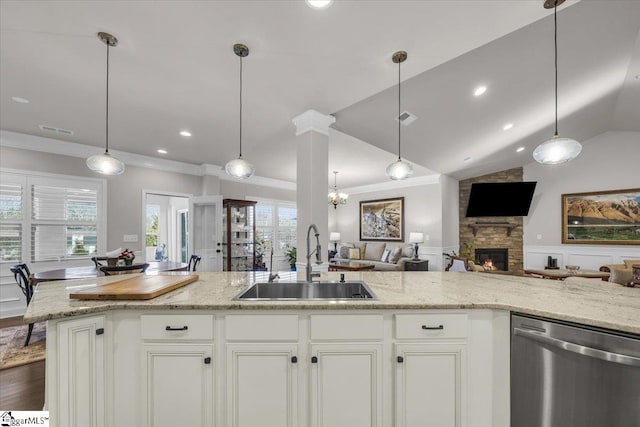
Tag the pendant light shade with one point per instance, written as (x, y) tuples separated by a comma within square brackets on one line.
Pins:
[(400, 169), (105, 163), (240, 168), (556, 150)]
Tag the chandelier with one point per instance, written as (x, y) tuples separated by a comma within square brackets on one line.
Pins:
[(335, 197)]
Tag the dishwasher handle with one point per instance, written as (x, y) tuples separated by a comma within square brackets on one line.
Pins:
[(622, 359)]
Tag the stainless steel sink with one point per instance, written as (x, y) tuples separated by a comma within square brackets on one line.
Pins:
[(293, 291)]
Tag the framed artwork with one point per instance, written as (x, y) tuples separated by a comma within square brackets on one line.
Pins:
[(602, 217), (382, 220)]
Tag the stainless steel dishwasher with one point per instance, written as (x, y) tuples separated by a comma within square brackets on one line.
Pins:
[(569, 375)]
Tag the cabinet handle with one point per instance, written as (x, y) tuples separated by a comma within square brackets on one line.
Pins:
[(314, 359), (99, 331), (400, 359), (169, 328), (294, 359), (431, 328), (207, 361)]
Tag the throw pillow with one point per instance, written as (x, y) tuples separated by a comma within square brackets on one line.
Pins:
[(385, 255), (395, 255), (373, 251), (622, 276), (354, 253), (407, 251), (629, 262), (343, 250)]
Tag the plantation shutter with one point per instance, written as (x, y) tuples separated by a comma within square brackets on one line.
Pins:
[(11, 208)]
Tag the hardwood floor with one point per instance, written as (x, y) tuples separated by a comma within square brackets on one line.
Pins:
[(22, 387)]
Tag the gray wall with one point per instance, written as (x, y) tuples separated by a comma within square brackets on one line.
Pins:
[(610, 161)]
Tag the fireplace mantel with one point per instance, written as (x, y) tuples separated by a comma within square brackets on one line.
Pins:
[(475, 226)]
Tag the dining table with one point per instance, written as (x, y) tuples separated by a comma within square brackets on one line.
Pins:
[(87, 272)]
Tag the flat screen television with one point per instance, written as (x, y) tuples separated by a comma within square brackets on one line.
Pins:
[(500, 198)]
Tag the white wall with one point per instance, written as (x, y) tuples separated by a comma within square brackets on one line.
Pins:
[(610, 161), (240, 190)]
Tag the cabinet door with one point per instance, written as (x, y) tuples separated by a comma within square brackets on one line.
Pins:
[(262, 385), (430, 381), (81, 372), (346, 385), (177, 385)]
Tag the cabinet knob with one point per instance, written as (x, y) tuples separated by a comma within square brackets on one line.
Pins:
[(294, 359), (99, 331), (432, 328), (314, 359), (207, 361), (400, 359)]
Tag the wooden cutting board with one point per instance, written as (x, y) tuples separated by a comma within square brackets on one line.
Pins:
[(139, 287)]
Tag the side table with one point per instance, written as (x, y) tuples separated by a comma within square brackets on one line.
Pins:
[(416, 265)]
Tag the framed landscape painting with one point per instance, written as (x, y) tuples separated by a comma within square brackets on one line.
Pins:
[(603, 217), (382, 220)]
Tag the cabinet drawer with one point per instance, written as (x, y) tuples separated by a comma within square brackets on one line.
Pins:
[(347, 327), (276, 327), (177, 327), (412, 326)]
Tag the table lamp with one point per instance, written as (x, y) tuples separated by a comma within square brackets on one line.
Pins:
[(335, 238), (416, 238)]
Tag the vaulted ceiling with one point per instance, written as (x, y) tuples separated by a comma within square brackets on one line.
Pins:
[(174, 69)]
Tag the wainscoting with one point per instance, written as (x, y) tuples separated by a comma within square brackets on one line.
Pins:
[(589, 257)]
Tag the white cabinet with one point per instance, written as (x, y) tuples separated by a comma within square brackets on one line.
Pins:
[(429, 384), (177, 370), (262, 385), (177, 384), (77, 394), (346, 385)]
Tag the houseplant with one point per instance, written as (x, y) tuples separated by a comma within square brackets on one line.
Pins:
[(292, 257)]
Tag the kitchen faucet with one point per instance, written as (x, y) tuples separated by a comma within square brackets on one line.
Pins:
[(317, 251)]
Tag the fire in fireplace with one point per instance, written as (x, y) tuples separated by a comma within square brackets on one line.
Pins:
[(493, 258)]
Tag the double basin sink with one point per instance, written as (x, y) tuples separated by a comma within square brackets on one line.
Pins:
[(297, 291)]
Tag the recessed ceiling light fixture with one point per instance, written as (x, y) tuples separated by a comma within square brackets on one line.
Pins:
[(240, 168), (185, 133), (556, 150), (479, 90), (520, 149), (399, 169), (161, 151), (637, 76), (19, 100), (466, 159), (319, 4), (507, 126), (105, 163)]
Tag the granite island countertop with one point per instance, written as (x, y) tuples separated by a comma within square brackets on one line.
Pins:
[(587, 301)]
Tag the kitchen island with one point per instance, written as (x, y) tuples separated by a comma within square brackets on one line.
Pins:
[(196, 355)]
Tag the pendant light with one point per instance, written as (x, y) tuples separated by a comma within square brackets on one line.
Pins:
[(335, 197), (399, 169), (105, 163), (556, 150), (240, 168)]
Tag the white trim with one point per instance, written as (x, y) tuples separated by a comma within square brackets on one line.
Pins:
[(393, 185), (312, 120), (590, 257), (73, 149)]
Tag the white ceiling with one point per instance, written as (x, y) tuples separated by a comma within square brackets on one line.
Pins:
[(174, 69)]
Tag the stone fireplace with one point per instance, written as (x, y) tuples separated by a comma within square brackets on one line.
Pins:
[(493, 258)]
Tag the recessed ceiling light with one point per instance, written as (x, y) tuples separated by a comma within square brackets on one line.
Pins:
[(185, 133), (161, 151), (466, 159), (520, 149), (507, 126), (638, 77), (319, 4), (479, 90), (19, 100)]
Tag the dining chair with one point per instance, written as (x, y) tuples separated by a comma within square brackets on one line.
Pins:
[(23, 278), (193, 262), (134, 268)]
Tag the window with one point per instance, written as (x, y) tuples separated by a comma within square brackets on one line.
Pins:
[(276, 225), (46, 218)]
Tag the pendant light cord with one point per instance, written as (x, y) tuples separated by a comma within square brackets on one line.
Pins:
[(398, 117), (107, 106), (555, 42), (240, 156)]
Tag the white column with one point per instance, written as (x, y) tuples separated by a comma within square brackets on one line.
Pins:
[(312, 180)]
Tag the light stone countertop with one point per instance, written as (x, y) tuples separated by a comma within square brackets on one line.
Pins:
[(587, 301)]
